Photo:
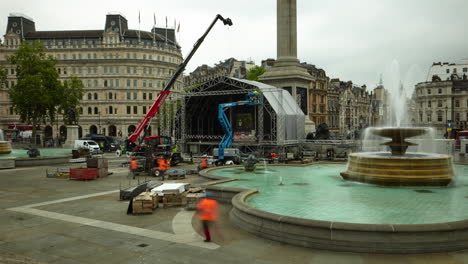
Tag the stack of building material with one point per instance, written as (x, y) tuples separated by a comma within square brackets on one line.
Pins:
[(193, 196), (175, 174), (174, 199), (83, 173), (99, 163), (133, 191), (173, 194), (144, 203)]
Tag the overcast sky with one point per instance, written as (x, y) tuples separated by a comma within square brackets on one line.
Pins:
[(350, 39)]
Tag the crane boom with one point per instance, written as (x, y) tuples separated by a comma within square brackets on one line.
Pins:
[(154, 109)]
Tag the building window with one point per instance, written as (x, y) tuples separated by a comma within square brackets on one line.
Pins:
[(439, 103), (111, 83), (448, 71), (150, 95), (135, 96), (117, 83), (129, 109), (95, 96), (429, 104), (105, 69), (135, 83), (128, 83), (144, 96), (90, 111), (95, 83), (429, 117), (144, 83), (440, 90), (128, 69), (428, 91), (150, 83), (457, 103), (465, 69), (457, 117), (144, 110), (134, 56), (111, 110), (439, 116), (89, 83), (135, 109), (96, 111), (105, 83), (110, 96), (134, 70), (129, 96), (90, 96)]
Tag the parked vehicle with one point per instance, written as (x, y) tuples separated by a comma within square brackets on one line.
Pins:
[(107, 144), (91, 145)]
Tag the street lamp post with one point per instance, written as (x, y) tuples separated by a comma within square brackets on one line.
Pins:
[(446, 121)]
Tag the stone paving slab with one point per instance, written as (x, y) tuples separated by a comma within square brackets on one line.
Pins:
[(49, 240)]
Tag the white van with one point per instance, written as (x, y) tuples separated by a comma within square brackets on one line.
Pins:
[(87, 144)]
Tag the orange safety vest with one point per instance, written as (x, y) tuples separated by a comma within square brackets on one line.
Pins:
[(207, 209), (274, 155), (161, 164), (204, 163), (168, 164), (133, 164)]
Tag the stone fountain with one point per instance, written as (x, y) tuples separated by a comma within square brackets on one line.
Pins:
[(5, 146), (398, 167)]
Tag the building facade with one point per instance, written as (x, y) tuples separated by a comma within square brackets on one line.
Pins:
[(444, 71), (122, 71), (350, 108), (318, 95), (228, 68), (442, 105)]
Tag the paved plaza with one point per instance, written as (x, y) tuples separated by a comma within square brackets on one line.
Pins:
[(47, 220)]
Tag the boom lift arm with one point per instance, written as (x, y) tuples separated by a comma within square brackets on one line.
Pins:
[(146, 122), (253, 98)]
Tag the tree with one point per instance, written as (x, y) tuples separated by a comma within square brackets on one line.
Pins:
[(3, 76), (255, 72), (37, 93), (72, 92)]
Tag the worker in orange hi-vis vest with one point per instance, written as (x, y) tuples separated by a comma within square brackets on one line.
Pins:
[(207, 211), (133, 166), (162, 166), (203, 163)]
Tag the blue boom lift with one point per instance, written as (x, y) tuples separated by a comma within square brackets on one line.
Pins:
[(224, 153)]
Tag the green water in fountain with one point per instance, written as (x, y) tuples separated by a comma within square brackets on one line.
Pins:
[(23, 153), (318, 192)]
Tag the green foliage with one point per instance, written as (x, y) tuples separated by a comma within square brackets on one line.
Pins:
[(72, 92), (3, 76), (255, 72), (38, 93)]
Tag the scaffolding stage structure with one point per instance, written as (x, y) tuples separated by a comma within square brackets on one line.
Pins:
[(277, 125)]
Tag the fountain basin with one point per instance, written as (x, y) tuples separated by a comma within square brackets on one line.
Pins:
[(412, 169), (328, 213), (5, 147)]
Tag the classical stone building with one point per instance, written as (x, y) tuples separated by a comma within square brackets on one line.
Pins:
[(122, 71), (439, 103), (318, 94), (445, 71), (349, 108), (228, 68)]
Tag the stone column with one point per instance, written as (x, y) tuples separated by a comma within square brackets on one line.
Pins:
[(72, 135), (286, 31)]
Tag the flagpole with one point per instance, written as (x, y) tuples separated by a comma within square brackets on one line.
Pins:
[(154, 29), (139, 32), (166, 31)]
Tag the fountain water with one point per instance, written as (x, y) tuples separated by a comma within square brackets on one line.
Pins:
[(398, 167), (5, 146)]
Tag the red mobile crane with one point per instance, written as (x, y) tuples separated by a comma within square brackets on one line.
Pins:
[(146, 122)]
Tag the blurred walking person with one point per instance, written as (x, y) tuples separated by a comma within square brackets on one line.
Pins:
[(207, 211)]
